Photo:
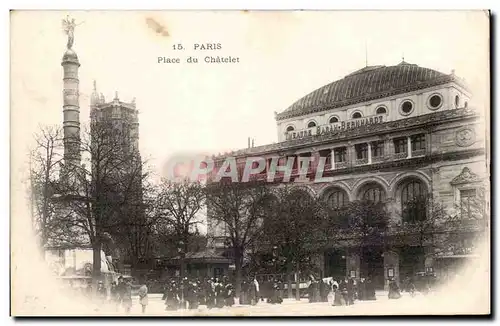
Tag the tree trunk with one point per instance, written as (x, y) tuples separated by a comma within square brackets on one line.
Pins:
[(289, 280), (96, 265), (238, 266), (297, 284)]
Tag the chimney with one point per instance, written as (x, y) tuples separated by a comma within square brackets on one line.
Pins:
[(253, 142), (248, 142)]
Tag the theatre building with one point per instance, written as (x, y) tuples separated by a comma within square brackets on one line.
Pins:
[(389, 134)]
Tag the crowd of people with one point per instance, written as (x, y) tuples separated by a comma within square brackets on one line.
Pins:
[(190, 293)]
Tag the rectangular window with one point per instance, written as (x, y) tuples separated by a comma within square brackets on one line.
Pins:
[(378, 149), (400, 145), (327, 155), (304, 161), (467, 202), (361, 151), (340, 154), (418, 142), (218, 272)]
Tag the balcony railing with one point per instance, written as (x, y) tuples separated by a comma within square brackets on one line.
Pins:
[(399, 156), (418, 152), (361, 161), (376, 159)]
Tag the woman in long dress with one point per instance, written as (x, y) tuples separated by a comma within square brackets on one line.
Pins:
[(143, 297)]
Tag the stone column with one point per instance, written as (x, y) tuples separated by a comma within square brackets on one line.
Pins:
[(388, 146), (369, 152), (315, 161), (391, 262), (351, 154), (333, 159), (409, 146)]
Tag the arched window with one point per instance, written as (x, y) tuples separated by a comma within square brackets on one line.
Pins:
[(381, 110), (414, 201), (311, 124), (374, 194), (337, 198), (356, 115), (290, 128), (334, 119)]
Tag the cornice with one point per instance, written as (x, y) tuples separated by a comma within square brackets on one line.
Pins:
[(427, 120)]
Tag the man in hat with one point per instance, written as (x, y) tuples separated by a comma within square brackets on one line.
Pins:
[(102, 292), (127, 296)]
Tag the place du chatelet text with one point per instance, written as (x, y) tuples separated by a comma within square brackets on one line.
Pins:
[(177, 57)]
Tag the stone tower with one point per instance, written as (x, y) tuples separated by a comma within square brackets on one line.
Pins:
[(71, 108)]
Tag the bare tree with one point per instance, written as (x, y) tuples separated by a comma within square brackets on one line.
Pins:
[(238, 208), (294, 228), (179, 205), (45, 160), (100, 191)]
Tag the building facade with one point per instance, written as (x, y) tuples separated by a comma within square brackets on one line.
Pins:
[(387, 134)]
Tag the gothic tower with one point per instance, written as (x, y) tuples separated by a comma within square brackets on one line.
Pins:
[(71, 108)]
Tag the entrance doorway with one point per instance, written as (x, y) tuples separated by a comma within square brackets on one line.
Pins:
[(335, 264), (411, 261), (372, 266)]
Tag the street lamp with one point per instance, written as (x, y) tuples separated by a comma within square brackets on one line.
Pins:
[(182, 254), (275, 258)]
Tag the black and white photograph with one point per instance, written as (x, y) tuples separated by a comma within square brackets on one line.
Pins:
[(250, 163)]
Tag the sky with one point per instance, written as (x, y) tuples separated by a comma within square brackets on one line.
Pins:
[(193, 108)]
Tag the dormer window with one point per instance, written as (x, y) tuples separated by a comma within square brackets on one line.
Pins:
[(381, 110), (334, 119), (457, 101), (311, 124), (290, 128), (356, 115)]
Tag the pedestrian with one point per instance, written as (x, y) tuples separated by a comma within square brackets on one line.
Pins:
[(394, 292), (219, 294), (102, 292), (143, 297), (350, 291), (337, 295), (254, 292), (361, 290), (323, 291), (210, 293), (229, 294), (343, 292), (127, 296), (171, 296), (244, 292)]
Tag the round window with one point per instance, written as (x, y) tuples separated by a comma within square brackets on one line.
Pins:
[(406, 107), (356, 115), (435, 101), (290, 128), (457, 100), (334, 119), (311, 124), (381, 110)]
